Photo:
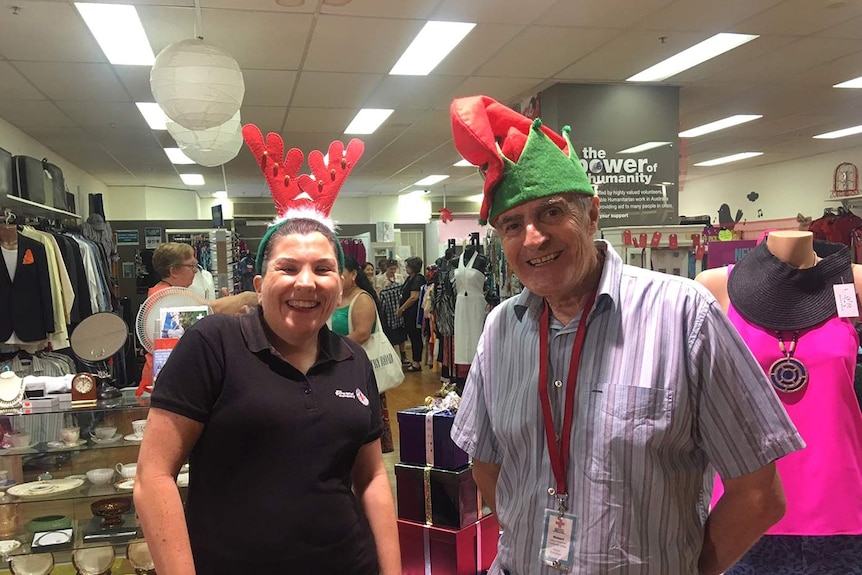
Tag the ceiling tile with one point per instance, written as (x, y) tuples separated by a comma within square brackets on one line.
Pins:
[(136, 80), (417, 9), (28, 114), (334, 90), (268, 87), (607, 14), (104, 114), (46, 32), (13, 86), (267, 118), (799, 18), (333, 48), (708, 17), (501, 89), (318, 119), (75, 81), (848, 28), (480, 45), (559, 47), (491, 11), (413, 92)]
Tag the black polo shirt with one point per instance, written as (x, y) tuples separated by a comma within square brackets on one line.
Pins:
[(270, 488)]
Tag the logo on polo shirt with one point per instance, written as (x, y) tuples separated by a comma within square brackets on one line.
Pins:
[(345, 394), (361, 397)]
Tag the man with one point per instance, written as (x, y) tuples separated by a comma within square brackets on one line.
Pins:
[(602, 468)]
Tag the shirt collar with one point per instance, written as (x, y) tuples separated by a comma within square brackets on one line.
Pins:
[(608, 290), (331, 347)]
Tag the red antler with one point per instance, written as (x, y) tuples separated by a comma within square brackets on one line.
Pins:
[(291, 190), (282, 176)]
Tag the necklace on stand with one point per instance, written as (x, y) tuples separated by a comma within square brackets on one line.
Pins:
[(788, 374)]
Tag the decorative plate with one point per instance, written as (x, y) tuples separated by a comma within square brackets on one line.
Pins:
[(7, 546), (133, 437), (19, 449), (114, 439), (125, 484), (44, 488), (61, 445)]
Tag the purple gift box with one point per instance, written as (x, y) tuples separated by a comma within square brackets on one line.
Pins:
[(424, 439)]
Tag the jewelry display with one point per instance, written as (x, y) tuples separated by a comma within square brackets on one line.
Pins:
[(11, 392), (788, 374)]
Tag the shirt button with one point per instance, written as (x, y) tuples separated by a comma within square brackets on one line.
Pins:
[(307, 390), (558, 384)]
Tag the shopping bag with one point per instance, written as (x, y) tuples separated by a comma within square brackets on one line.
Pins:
[(384, 359)]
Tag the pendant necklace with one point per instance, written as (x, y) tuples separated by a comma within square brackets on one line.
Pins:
[(788, 374)]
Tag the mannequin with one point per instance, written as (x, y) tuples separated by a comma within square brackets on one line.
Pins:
[(470, 309), (782, 303)]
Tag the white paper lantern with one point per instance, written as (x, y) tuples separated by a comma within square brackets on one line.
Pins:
[(198, 85), (212, 147)]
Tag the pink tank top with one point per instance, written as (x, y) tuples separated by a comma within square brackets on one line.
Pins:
[(823, 482)]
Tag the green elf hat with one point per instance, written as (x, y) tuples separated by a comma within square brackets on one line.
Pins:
[(520, 159)]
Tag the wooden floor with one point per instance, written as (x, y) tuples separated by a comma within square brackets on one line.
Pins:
[(411, 393)]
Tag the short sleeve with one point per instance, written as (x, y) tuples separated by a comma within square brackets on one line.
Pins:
[(472, 430), (740, 424), (191, 381), (376, 429)]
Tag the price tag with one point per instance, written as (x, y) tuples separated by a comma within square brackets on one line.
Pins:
[(845, 300)]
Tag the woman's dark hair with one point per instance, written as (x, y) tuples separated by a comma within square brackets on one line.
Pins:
[(366, 264), (302, 226), (351, 265), (414, 264)]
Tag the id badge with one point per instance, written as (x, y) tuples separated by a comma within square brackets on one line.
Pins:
[(558, 539)]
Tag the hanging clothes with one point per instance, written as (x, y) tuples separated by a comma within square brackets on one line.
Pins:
[(99, 231), (354, 248), (26, 312), (469, 309)]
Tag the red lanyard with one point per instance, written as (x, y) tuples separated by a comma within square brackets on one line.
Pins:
[(558, 451)]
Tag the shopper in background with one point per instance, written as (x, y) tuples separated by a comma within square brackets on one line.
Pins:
[(278, 417), (391, 275), (409, 310), (368, 269), (388, 287), (600, 396), (358, 295)]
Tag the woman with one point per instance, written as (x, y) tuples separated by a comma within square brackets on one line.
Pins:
[(409, 310), (356, 291), (176, 265), (280, 421), (368, 268)]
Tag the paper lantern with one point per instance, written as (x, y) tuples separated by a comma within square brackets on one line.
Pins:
[(212, 147), (198, 85)]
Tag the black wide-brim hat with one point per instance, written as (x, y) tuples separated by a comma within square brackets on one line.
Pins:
[(775, 295)]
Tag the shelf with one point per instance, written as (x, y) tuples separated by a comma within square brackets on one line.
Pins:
[(129, 401), (845, 198), (27, 208), (42, 448)]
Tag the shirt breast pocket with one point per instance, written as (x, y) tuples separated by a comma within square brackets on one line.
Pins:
[(630, 425)]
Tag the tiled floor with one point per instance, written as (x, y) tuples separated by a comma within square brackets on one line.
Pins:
[(411, 392)]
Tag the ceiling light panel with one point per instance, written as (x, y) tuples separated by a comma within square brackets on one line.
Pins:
[(431, 180), (433, 43), (192, 179), (176, 156), (691, 57), (463, 164), (119, 32), (843, 133), (719, 125), (729, 159), (854, 83), (220, 194), (153, 114), (367, 120), (644, 147)]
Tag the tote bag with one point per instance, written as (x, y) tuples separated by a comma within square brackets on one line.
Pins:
[(384, 359)]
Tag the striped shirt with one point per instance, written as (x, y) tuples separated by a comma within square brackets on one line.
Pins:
[(666, 388)]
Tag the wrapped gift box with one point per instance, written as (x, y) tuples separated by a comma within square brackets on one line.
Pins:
[(443, 551), (424, 439), (440, 497)]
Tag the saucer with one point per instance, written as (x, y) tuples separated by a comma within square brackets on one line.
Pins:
[(133, 437), (44, 488), (19, 449), (8, 546), (125, 484), (61, 445), (116, 437)]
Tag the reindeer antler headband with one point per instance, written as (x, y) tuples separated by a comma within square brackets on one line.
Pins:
[(301, 195)]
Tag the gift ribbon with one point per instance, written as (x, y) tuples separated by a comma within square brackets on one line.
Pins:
[(426, 547), (426, 488), (429, 437)]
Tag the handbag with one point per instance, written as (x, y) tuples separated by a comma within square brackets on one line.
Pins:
[(384, 359)]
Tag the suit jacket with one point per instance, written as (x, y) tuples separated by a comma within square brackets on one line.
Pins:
[(25, 303)]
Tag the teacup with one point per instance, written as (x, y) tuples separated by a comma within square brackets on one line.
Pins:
[(70, 435), (19, 439), (105, 432), (138, 427), (127, 470), (100, 476)]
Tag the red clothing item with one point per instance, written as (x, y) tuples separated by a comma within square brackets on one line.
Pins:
[(146, 383)]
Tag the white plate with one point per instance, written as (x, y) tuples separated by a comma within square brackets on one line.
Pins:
[(20, 449), (183, 480), (8, 546), (125, 484), (133, 437), (116, 437), (61, 445), (44, 488)]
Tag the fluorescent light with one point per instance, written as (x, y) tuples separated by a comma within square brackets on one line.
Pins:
[(367, 120), (719, 125), (220, 194), (430, 180), (644, 147), (153, 114), (430, 46), (176, 156), (731, 158), (192, 179), (478, 198), (840, 133), (463, 164), (119, 32), (854, 83), (691, 57)]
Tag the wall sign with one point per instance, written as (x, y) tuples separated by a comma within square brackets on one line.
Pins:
[(128, 238), (152, 238)]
